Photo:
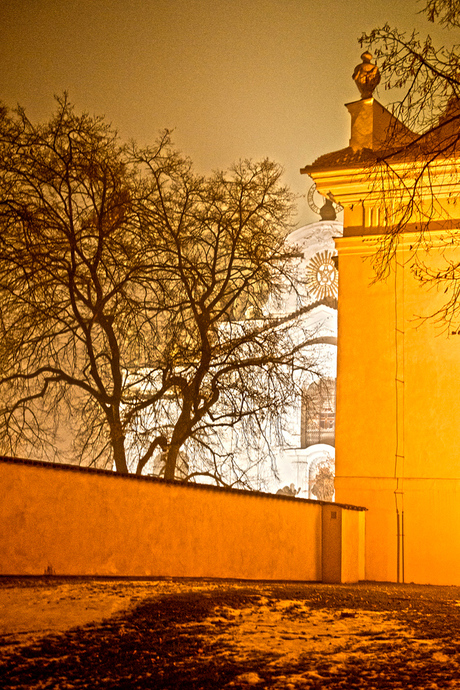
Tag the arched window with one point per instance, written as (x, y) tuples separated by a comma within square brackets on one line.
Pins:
[(318, 413)]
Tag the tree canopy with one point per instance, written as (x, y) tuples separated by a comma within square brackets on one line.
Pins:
[(138, 299)]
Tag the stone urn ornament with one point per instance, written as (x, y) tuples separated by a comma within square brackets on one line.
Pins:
[(366, 76)]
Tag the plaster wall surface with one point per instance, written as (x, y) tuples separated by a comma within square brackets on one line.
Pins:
[(431, 529), (397, 417), (365, 416), (332, 544), (351, 546), (381, 527), (370, 123), (342, 544), (98, 523)]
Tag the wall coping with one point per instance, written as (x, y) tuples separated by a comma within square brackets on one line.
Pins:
[(157, 480)]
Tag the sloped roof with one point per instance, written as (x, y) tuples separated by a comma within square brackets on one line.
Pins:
[(344, 158)]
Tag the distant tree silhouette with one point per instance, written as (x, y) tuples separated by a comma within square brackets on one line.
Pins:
[(131, 298)]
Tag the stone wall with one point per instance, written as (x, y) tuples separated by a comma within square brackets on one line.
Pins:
[(68, 520)]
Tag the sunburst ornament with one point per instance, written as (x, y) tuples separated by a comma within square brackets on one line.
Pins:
[(322, 276)]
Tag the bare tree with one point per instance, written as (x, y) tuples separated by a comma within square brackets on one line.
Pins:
[(406, 176), (132, 296), (221, 254)]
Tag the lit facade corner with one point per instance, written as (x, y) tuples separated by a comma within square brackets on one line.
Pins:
[(398, 374)]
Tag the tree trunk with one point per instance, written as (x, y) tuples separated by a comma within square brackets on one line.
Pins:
[(118, 443), (171, 461), (119, 455), (180, 434)]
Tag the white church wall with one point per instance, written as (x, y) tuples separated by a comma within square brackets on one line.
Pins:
[(318, 279)]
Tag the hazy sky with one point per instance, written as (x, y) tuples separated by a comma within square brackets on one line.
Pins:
[(233, 78)]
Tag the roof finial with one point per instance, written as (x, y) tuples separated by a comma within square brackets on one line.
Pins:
[(366, 76)]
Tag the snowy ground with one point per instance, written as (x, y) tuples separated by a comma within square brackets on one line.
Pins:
[(32, 608), (198, 634)]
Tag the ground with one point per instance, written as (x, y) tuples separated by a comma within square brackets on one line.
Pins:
[(197, 634)]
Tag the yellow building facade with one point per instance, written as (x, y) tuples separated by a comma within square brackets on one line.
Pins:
[(398, 405)]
